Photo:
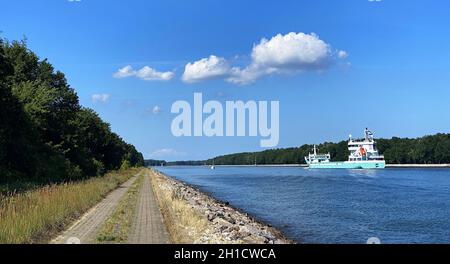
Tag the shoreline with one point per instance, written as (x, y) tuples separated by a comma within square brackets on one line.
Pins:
[(388, 166), (222, 222), (424, 166)]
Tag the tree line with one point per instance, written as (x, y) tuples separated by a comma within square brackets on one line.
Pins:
[(433, 149), (45, 134), (152, 163), (425, 150)]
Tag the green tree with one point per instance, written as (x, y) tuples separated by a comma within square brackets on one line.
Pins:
[(45, 135)]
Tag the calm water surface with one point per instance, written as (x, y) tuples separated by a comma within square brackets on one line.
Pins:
[(335, 206)]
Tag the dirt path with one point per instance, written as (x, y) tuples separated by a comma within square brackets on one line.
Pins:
[(85, 229), (148, 226)]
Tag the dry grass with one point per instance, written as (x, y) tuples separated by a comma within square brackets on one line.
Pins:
[(34, 216), (185, 225), (117, 227)]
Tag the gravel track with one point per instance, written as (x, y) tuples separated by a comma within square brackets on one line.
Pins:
[(148, 225), (85, 229)]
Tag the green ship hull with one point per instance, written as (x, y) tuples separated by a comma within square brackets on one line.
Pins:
[(378, 164)]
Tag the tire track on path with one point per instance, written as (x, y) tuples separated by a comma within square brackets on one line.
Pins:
[(86, 228)]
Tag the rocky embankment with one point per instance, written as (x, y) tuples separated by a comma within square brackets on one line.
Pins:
[(220, 222)]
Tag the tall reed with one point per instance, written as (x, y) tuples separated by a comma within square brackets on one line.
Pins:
[(34, 216)]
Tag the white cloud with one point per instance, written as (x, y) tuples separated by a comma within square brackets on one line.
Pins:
[(149, 74), (156, 110), (166, 152), (342, 54), (124, 72), (146, 73), (247, 75), (290, 53), (100, 98), (205, 69)]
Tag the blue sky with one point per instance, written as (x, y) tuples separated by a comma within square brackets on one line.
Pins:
[(393, 77)]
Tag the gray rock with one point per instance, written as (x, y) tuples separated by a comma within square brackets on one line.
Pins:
[(211, 217), (269, 236), (230, 219)]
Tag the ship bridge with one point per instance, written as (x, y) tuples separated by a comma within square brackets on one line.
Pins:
[(363, 149)]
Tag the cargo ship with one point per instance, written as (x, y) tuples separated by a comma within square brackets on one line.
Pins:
[(363, 155)]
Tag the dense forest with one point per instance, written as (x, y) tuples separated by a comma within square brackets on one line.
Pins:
[(152, 163), (425, 150), (45, 134)]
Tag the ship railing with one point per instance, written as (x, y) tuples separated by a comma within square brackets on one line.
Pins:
[(319, 155), (377, 157), (361, 140)]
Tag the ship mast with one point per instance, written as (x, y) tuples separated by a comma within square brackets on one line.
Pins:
[(368, 135)]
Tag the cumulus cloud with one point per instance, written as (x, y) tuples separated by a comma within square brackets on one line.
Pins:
[(124, 72), (149, 74), (290, 53), (248, 75), (207, 68), (100, 98), (146, 73)]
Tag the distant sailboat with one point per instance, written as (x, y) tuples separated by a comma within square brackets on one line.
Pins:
[(213, 167)]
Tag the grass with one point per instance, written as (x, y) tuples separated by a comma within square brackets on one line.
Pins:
[(35, 216), (117, 227), (184, 224)]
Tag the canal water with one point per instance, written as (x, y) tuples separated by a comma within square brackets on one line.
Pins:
[(334, 206)]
